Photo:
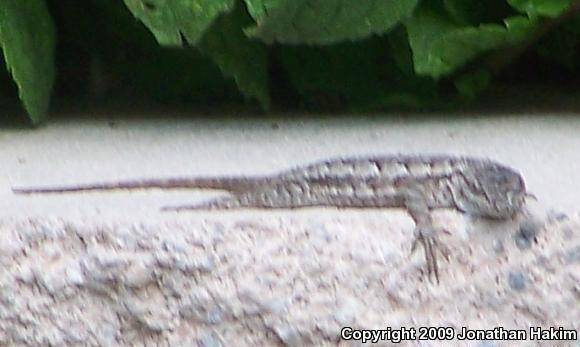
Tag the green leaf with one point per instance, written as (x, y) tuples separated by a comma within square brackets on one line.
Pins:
[(237, 56), (547, 8), (169, 19), (364, 74), (215, 27), (324, 21), (473, 83), (440, 45), (476, 11), (27, 38), (180, 75), (344, 72), (563, 45)]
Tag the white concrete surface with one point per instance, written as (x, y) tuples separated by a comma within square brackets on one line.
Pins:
[(280, 282), (109, 269), (546, 149)]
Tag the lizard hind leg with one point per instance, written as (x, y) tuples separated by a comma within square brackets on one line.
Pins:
[(224, 203)]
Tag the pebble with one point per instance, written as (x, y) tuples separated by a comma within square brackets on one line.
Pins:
[(527, 232), (573, 255), (211, 340), (517, 280), (290, 336)]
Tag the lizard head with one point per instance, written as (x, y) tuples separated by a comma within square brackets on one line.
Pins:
[(497, 191)]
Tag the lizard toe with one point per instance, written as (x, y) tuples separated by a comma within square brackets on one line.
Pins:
[(426, 237)]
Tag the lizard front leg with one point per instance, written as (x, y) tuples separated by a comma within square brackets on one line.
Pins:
[(415, 202)]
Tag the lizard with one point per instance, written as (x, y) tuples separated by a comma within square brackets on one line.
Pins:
[(478, 187)]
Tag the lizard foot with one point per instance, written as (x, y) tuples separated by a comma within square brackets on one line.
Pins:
[(425, 235), (216, 204)]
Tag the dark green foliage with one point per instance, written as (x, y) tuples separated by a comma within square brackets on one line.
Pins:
[(321, 54), (324, 21), (27, 40)]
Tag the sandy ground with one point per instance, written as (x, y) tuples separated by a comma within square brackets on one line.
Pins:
[(109, 269)]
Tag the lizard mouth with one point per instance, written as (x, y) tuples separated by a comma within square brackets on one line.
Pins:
[(531, 196)]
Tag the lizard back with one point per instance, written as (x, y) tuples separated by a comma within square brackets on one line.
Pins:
[(463, 183)]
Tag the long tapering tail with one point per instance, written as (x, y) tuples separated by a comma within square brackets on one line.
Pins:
[(231, 184)]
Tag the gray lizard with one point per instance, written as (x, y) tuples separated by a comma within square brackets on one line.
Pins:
[(419, 184)]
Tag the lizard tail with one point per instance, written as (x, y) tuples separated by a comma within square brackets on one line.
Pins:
[(231, 184)]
